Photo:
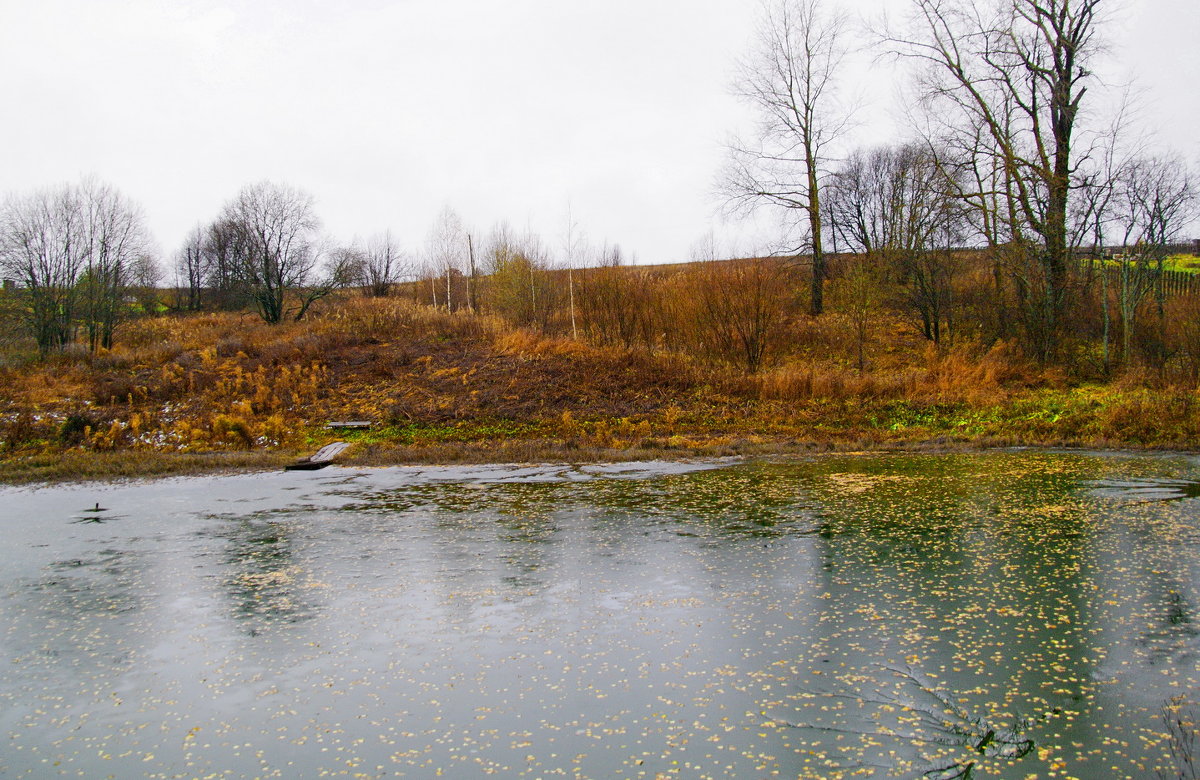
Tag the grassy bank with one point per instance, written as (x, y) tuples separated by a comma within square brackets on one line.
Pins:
[(223, 391)]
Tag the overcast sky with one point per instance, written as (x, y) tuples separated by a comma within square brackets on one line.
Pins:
[(389, 110)]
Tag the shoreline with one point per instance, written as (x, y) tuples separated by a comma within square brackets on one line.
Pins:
[(89, 466)]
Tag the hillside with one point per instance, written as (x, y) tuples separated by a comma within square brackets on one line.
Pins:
[(222, 390)]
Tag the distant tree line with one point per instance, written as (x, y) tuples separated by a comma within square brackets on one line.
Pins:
[(263, 251)]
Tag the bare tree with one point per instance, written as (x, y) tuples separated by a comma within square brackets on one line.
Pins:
[(73, 250), (382, 264), (43, 248), (353, 258), (116, 238), (978, 178), (896, 205), (274, 236), (574, 245), (790, 79), (145, 282), (1093, 214), (1154, 199), (190, 271), (1016, 72), (447, 244), (226, 246)]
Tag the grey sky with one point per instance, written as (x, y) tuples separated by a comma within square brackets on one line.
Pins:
[(388, 110)]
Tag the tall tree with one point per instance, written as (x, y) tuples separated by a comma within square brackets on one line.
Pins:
[(277, 249), (73, 249), (190, 271), (43, 248), (790, 79), (1154, 199), (574, 245), (447, 245), (226, 246), (116, 238), (896, 205), (383, 263), (1016, 71)]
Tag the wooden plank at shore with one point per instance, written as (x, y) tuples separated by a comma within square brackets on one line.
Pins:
[(349, 424), (330, 451), (320, 459)]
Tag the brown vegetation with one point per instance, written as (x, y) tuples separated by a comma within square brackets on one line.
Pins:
[(441, 385)]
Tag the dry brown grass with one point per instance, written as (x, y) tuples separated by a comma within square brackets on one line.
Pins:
[(445, 383), (960, 374), (227, 381)]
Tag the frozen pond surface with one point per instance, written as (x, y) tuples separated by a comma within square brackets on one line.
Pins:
[(1009, 614)]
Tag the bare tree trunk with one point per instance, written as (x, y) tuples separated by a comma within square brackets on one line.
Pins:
[(817, 298), (474, 291), (791, 79), (571, 288), (1017, 74)]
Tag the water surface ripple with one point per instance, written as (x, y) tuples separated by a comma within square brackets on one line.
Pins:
[(1011, 614)]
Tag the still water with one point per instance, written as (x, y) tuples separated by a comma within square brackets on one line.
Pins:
[(1011, 614)]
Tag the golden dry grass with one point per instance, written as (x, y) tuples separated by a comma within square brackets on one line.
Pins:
[(441, 385)]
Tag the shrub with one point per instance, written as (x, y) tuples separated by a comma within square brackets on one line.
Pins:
[(75, 429)]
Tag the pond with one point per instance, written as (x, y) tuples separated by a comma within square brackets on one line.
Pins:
[(1010, 614)]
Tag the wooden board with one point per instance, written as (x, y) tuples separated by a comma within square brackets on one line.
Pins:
[(320, 459), (330, 451)]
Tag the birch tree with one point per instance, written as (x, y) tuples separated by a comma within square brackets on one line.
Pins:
[(447, 245)]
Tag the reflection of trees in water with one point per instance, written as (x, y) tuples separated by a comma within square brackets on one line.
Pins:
[(81, 612), (976, 578), (526, 530), (901, 710), (264, 579), (1181, 717), (457, 517), (749, 502), (103, 583), (1159, 548), (531, 518), (501, 552)]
